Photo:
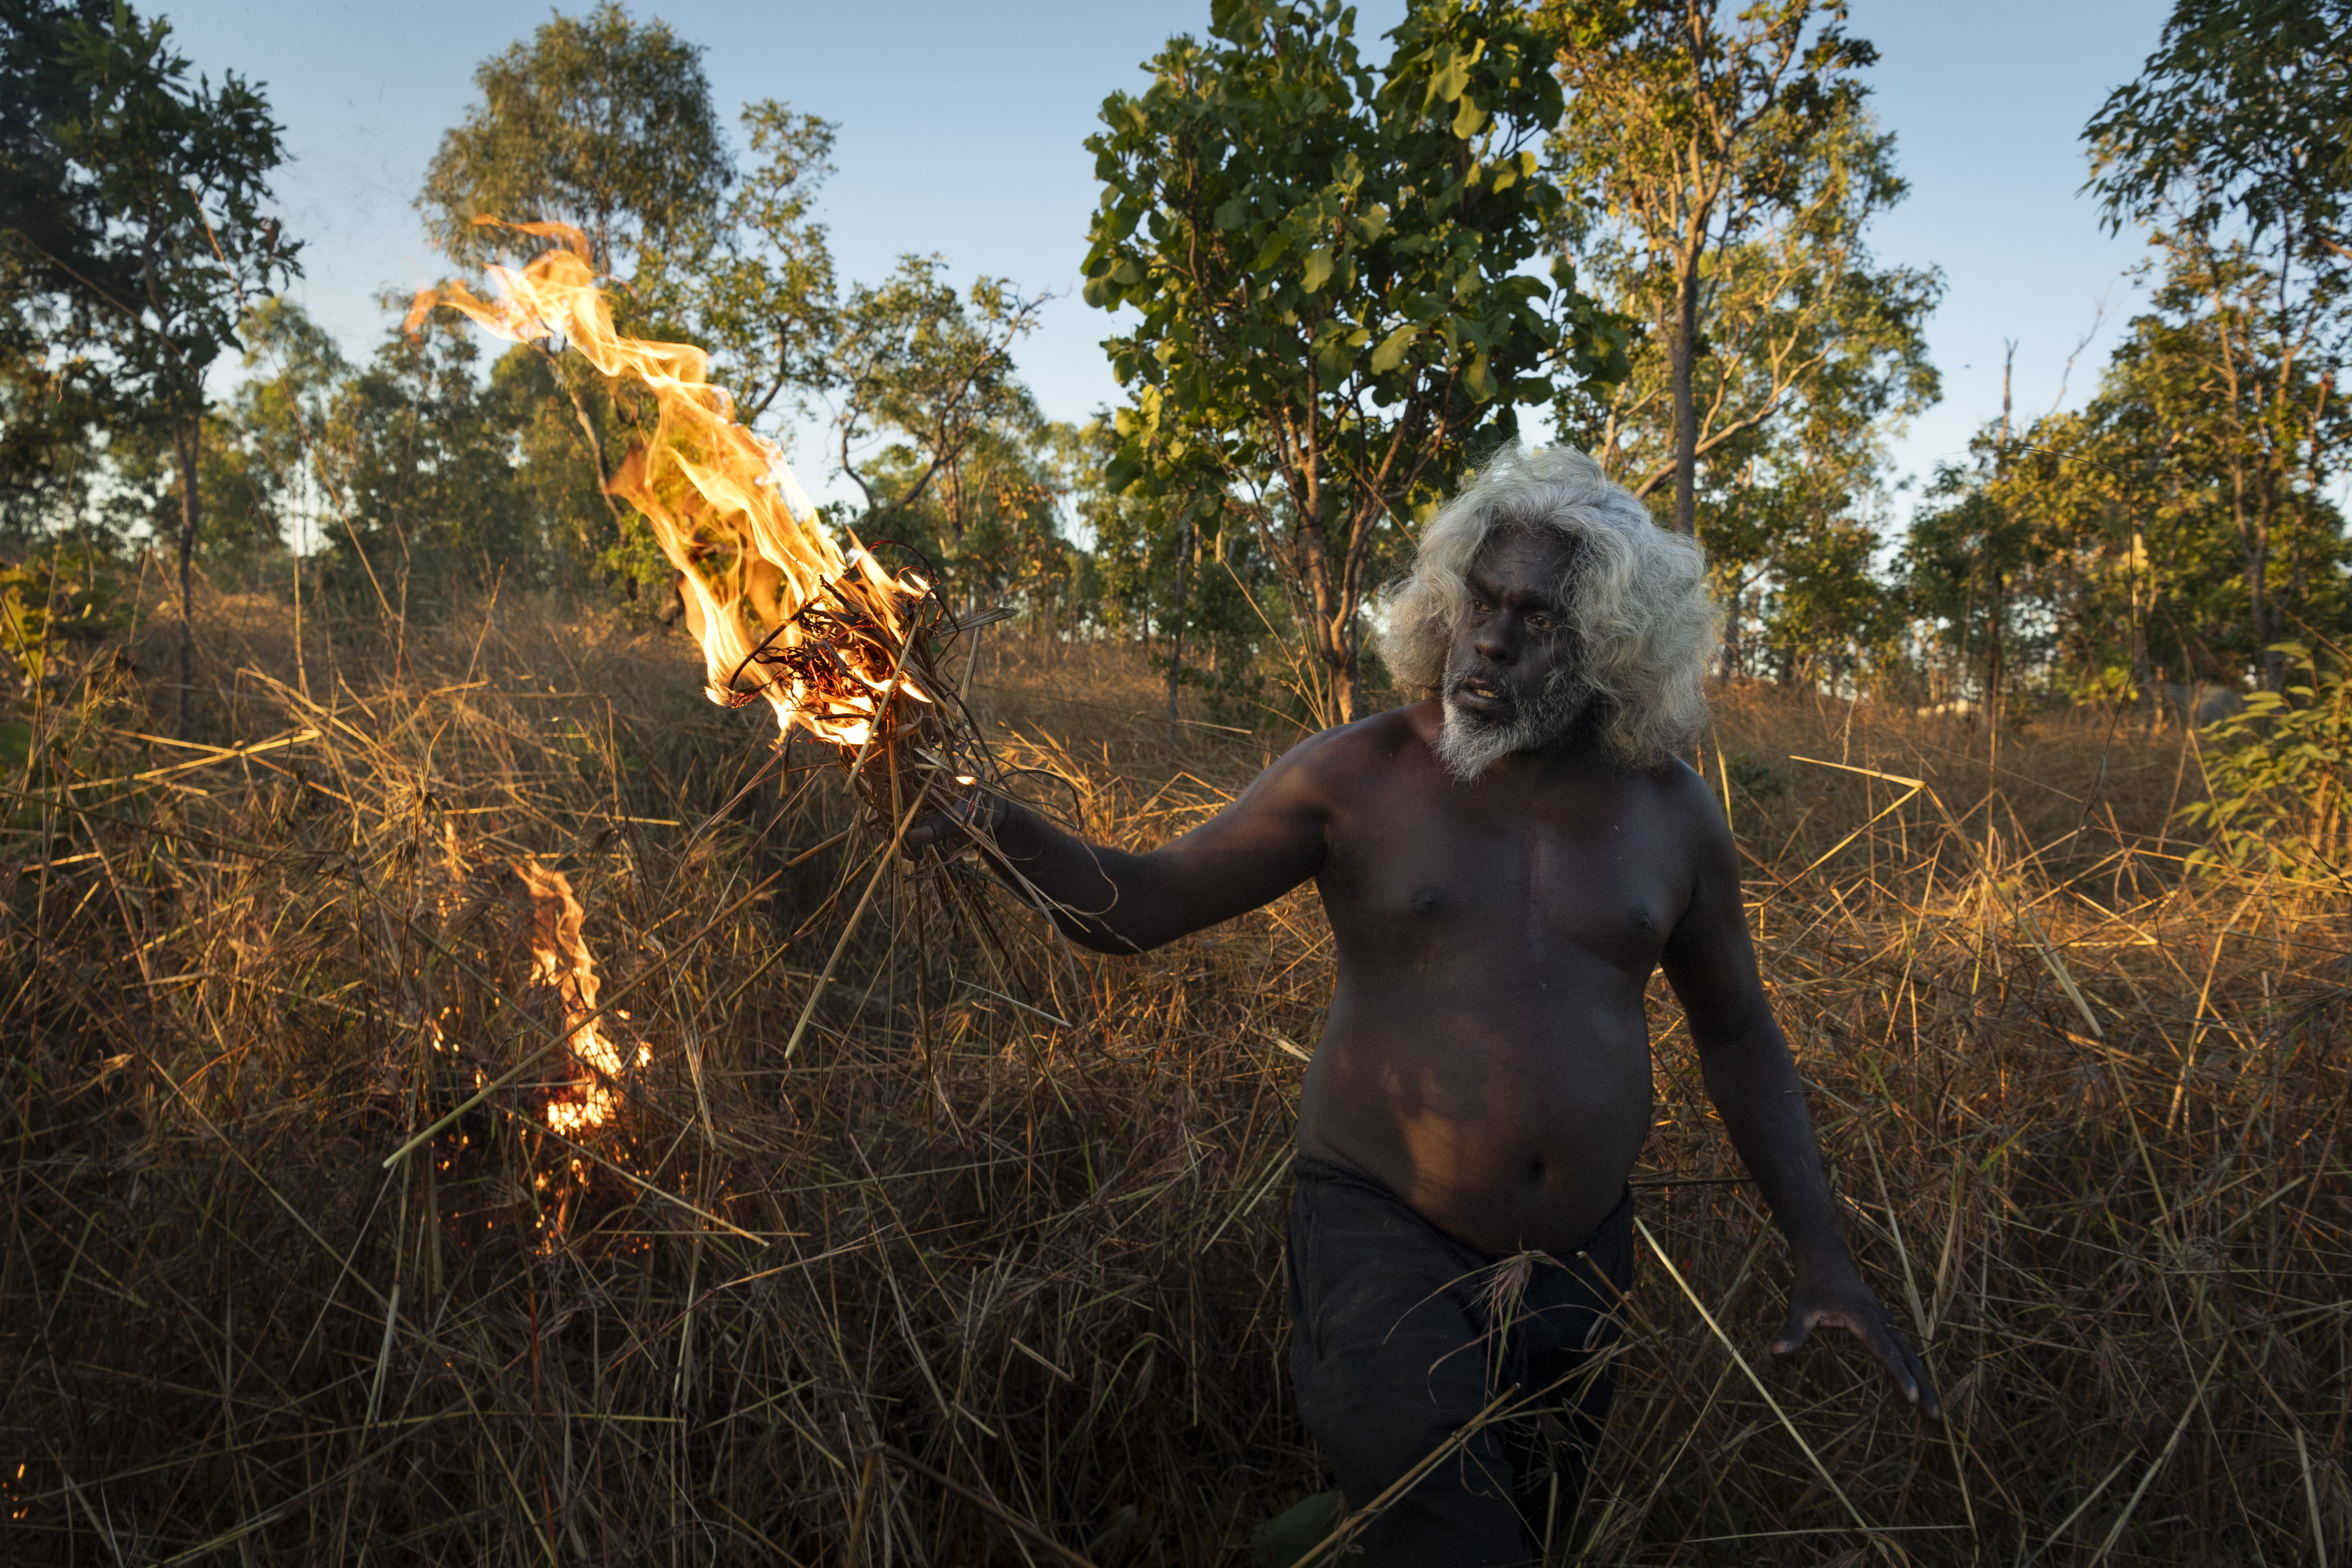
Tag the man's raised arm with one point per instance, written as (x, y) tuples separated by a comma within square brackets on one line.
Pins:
[(1266, 842), (1753, 1080)]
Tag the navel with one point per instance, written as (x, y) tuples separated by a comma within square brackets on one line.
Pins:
[(1640, 919), (1426, 900)]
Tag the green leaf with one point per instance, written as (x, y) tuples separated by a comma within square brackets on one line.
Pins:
[(1468, 118), (1453, 79), (1318, 269), (1390, 353), (1232, 214), (1477, 380)]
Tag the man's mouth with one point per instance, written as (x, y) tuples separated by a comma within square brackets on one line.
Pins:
[(1482, 697)]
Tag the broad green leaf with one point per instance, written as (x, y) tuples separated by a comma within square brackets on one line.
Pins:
[(1477, 380), (1390, 353), (1451, 78), (1318, 269)]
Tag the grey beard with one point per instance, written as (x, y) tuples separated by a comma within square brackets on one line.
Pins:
[(1467, 745)]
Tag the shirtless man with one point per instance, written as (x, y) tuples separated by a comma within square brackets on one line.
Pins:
[(1504, 867)]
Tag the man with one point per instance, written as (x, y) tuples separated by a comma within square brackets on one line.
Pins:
[(1503, 868)]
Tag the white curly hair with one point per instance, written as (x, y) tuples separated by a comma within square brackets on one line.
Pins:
[(1636, 595)]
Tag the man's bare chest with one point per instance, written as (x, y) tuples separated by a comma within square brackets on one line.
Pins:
[(1582, 878)]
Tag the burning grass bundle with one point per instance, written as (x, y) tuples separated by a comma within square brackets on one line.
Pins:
[(996, 1256), (835, 644)]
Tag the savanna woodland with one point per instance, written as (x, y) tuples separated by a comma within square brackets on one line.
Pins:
[(466, 1099)]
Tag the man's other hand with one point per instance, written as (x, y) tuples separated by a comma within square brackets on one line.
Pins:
[(1831, 1292)]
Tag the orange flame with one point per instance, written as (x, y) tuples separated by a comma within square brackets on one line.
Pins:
[(778, 610), (560, 960)]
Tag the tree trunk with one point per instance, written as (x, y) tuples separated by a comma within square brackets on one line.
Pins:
[(586, 418), (2265, 616), (1355, 696), (1176, 640), (2142, 599), (187, 431), (1993, 660), (1996, 528), (1681, 347), (1329, 622), (1728, 660), (1340, 666), (2254, 541)]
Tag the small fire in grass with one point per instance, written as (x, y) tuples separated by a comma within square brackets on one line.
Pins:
[(831, 640), (560, 961)]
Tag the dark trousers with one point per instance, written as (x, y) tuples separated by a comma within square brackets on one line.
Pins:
[(1401, 1334)]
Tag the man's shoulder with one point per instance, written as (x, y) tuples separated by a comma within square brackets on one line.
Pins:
[(1334, 760), (1376, 738), (1685, 798)]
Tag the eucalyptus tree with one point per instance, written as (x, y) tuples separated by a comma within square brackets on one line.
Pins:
[(136, 232), (926, 383), (2234, 145), (599, 122), (609, 124), (52, 403), (2243, 112), (1335, 272), (1980, 581), (761, 289), (1733, 168)]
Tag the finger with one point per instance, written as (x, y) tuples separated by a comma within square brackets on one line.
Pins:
[(1931, 1404), (1891, 1350), (1909, 1372), (1793, 1333)]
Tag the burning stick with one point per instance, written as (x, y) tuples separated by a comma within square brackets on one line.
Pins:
[(835, 644)]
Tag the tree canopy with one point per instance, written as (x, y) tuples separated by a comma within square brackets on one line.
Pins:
[(137, 232), (1334, 268), (1337, 272)]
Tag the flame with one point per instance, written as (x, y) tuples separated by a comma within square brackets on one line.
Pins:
[(780, 611), (560, 960)]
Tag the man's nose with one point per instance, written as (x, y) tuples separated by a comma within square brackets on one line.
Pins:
[(1496, 639)]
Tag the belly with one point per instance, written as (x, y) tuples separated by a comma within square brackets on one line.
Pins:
[(1510, 1120)]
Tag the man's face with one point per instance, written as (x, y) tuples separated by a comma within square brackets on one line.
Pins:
[(1510, 681)]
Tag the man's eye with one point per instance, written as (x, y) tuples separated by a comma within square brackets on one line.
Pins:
[(1541, 623)]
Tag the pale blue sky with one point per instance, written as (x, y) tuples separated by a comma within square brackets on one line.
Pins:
[(961, 127)]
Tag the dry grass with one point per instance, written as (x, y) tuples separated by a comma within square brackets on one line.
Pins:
[(1014, 1212)]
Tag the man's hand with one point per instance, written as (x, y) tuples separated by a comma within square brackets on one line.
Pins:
[(952, 831), (1827, 1291)]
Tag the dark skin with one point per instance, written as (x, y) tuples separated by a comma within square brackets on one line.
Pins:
[(1486, 1055)]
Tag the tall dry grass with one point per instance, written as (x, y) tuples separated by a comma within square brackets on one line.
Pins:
[(994, 1259)]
